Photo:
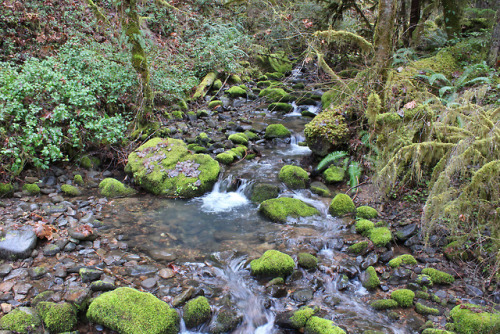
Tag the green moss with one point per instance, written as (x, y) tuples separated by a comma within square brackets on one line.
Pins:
[(236, 79), (214, 104), (239, 138), (274, 75), (359, 247), (177, 114), (280, 106), (6, 189), (436, 331), (277, 131), (320, 189), (307, 261), (364, 226), (225, 157), (237, 91), (422, 309), (402, 259), (341, 205), (372, 281), (316, 325), (251, 135), (300, 317), (264, 191), (443, 62), (276, 62), (113, 188), (196, 312), (264, 83), (85, 162), (31, 188), (70, 190), (334, 174), (438, 277), (404, 297), (366, 212), (328, 128), (197, 148), (455, 251), (21, 320), (57, 318), (294, 177), (380, 236), (275, 94), (272, 263), (422, 295), (278, 209), (217, 84), (384, 304), (388, 118), (130, 311), (78, 180), (475, 319)]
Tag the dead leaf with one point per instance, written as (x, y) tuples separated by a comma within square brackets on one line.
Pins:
[(44, 231)]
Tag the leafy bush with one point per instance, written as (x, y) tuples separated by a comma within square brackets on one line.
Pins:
[(49, 106)]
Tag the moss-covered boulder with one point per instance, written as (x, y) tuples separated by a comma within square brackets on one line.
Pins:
[(280, 106), (384, 304), (274, 62), (272, 263), (238, 138), (21, 320), (129, 311), (237, 91), (214, 104), (264, 191), (6, 189), (307, 261), (475, 319), (364, 226), (31, 188), (326, 131), (166, 167), (57, 318), (273, 94), (404, 297), (300, 317), (341, 204), (436, 331), (294, 177), (320, 189), (277, 131), (369, 279), (78, 179), (196, 312), (316, 325), (278, 209), (438, 276), (113, 188), (359, 247), (425, 310), (70, 190), (334, 174), (366, 212), (402, 259), (380, 236)]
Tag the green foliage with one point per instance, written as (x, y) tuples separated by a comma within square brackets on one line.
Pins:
[(403, 56), (354, 172), (330, 159)]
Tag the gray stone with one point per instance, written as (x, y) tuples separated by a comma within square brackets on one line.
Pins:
[(17, 244), (161, 255), (102, 286), (303, 295), (149, 283), (370, 260), (89, 274), (37, 272), (142, 270), (406, 232), (182, 297), (5, 269), (51, 250), (82, 234)]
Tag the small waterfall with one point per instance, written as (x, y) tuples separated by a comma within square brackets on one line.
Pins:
[(296, 111), (222, 199), (295, 148)]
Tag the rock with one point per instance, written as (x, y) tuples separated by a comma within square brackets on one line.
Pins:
[(380, 236), (369, 278), (370, 260), (264, 191), (275, 94), (51, 250), (101, 286), (320, 189), (278, 209), (17, 244), (182, 297), (196, 312), (82, 233), (404, 297), (407, 259), (166, 273), (277, 131), (113, 188), (237, 91), (57, 318), (334, 174), (89, 274), (294, 177), (303, 295), (140, 270), (341, 205), (238, 138), (326, 131), (342, 282), (273, 264), (21, 320), (37, 272), (31, 189), (149, 283), (162, 255), (166, 167), (129, 311), (225, 321), (406, 232), (280, 106), (78, 296), (473, 291), (5, 269), (438, 277), (70, 190), (316, 325)]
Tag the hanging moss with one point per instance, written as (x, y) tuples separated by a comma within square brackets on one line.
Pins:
[(342, 38)]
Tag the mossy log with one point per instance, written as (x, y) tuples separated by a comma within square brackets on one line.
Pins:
[(205, 84)]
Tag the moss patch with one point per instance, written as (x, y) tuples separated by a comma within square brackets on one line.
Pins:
[(307, 261), (372, 280), (425, 310), (316, 325), (384, 304), (272, 263), (278, 209), (129, 311), (264, 191), (364, 226), (78, 179), (275, 94), (294, 177), (475, 319), (300, 317), (404, 297), (341, 205), (326, 131), (113, 188), (237, 91), (31, 188), (196, 312), (238, 138), (21, 320), (70, 190), (6, 189), (334, 174), (277, 131), (359, 247), (280, 106), (438, 276), (402, 259), (366, 212), (57, 318), (380, 236)]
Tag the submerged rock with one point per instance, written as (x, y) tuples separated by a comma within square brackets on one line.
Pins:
[(166, 167), (17, 244), (196, 312)]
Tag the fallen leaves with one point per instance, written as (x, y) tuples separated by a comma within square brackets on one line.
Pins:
[(44, 231)]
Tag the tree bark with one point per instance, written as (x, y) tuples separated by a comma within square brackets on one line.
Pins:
[(384, 32), (494, 54), (414, 19), (452, 13)]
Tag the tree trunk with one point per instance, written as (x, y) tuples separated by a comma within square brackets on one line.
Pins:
[(452, 13), (384, 32), (494, 54), (414, 19)]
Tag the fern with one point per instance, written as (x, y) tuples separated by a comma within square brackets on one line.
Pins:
[(329, 159), (354, 174)]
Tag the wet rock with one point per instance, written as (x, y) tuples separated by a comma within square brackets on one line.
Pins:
[(149, 283), (18, 274), (140, 270), (82, 233), (182, 297), (166, 273), (17, 244), (102, 286), (387, 256), (37, 272), (332, 301), (90, 274), (370, 260), (78, 296), (22, 288), (161, 255), (51, 250), (342, 282), (276, 291), (406, 232), (70, 246), (226, 321), (5, 269), (196, 312), (473, 291), (303, 295)]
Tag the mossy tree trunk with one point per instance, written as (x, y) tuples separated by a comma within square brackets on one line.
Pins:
[(452, 13), (131, 26), (494, 54), (382, 40), (414, 19)]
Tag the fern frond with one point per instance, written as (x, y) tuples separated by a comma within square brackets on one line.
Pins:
[(354, 174), (438, 76), (329, 159)]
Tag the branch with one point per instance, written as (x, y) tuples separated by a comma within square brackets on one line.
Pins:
[(97, 12)]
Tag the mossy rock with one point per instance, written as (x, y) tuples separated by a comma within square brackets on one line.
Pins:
[(366, 212), (225, 158), (300, 317), (320, 189), (89, 162), (21, 320), (425, 310), (251, 135), (475, 319), (438, 276), (341, 204), (275, 62), (380, 236), (214, 104), (217, 84), (327, 131), (404, 297), (272, 263), (197, 148), (371, 280), (196, 312), (70, 190), (278, 209), (364, 226), (237, 91), (238, 138), (280, 106), (166, 167), (274, 75), (129, 311), (359, 247), (6, 189), (277, 131), (436, 331), (57, 318), (78, 179), (294, 177), (113, 188), (307, 261), (455, 251), (275, 94), (402, 259), (384, 304), (31, 188), (316, 325), (264, 191), (334, 174), (177, 114)]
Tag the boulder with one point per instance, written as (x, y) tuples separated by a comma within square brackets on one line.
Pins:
[(57, 318), (294, 177), (326, 132), (272, 264), (17, 244), (196, 312), (277, 131), (278, 209), (113, 188), (341, 205)]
